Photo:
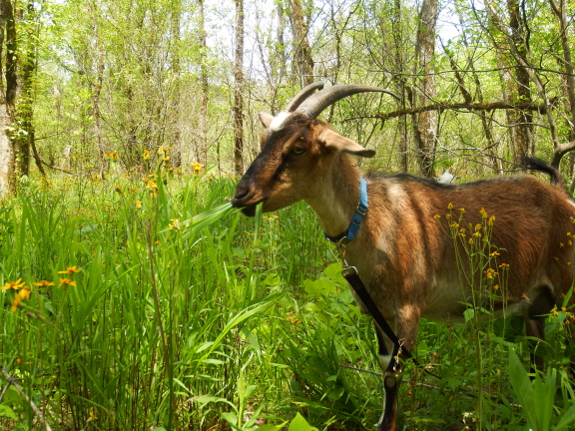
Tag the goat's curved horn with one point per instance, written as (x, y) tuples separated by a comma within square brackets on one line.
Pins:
[(315, 104), (303, 95)]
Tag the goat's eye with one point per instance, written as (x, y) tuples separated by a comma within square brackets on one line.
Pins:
[(298, 150)]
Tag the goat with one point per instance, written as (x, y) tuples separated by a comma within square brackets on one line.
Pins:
[(402, 252)]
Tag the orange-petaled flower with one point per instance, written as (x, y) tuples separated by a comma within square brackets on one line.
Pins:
[(71, 270), (16, 285), (23, 294), (66, 282), (44, 283), (197, 167)]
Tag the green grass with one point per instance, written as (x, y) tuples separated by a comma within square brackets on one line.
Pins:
[(187, 315)]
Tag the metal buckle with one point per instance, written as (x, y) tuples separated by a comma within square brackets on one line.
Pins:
[(361, 209), (349, 270)]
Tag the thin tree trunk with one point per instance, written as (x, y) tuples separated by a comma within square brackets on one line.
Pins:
[(398, 40), (523, 119), (238, 96), (203, 157), (569, 78), (97, 90), (8, 107), (302, 52), (427, 121)]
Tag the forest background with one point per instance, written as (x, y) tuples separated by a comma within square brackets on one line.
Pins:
[(125, 123)]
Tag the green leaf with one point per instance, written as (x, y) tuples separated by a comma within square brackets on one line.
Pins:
[(522, 388), (230, 418), (7, 412), (272, 427), (206, 399), (567, 418), (299, 424)]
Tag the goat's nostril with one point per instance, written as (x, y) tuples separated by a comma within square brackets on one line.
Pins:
[(241, 195)]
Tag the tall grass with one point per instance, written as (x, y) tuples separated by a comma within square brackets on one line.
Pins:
[(154, 304)]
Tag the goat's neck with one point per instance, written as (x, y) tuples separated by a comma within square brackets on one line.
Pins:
[(336, 196)]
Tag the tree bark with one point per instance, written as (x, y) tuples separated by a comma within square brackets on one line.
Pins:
[(426, 136), (8, 102), (238, 108), (97, 90), (203, 153), (400, 83), (303, 59), (523, 119)]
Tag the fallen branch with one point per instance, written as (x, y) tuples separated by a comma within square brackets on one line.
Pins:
[(12, 381)]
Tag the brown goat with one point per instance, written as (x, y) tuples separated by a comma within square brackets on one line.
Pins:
[(403, 251)]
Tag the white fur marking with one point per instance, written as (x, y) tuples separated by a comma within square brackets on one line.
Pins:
[(278, 121)]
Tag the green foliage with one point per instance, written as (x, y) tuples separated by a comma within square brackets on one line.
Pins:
[(154, 304)]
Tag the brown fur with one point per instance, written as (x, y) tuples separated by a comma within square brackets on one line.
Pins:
[(404, 256)]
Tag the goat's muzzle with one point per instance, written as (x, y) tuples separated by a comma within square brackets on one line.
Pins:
[(246, 198)]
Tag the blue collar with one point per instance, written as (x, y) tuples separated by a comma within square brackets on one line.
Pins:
[(349, 235)]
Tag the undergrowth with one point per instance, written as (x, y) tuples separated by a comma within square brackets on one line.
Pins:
[(150, 303)]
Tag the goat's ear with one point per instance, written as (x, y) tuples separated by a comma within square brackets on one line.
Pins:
[(266, 119), (336, 142)]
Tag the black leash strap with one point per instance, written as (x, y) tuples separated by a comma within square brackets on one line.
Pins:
[(352, 277)]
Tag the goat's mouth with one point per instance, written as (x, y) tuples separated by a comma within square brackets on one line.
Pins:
[(249, 209)]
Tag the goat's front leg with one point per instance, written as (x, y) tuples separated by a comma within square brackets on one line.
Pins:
[(390, 356)]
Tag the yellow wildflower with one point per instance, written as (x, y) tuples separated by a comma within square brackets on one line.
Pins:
[(436, 216), (18, 284), (44, 283), (197, 167), (23, 294), (71, 270), (175, 224), (138, 204), (490, 273), (493, 254), (146, 155), (450, 206), (112, 156), (66, 282)]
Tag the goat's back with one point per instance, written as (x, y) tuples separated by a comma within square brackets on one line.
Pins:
[(424, 231)]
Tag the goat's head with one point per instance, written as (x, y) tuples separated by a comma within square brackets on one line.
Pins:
[(297, 150)]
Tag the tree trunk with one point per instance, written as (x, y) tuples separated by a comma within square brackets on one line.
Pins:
[(398, 40), (427, 121), (8, 107), (203, 157), (523, 119), (303, 59), (238, 96), (96, 91)]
